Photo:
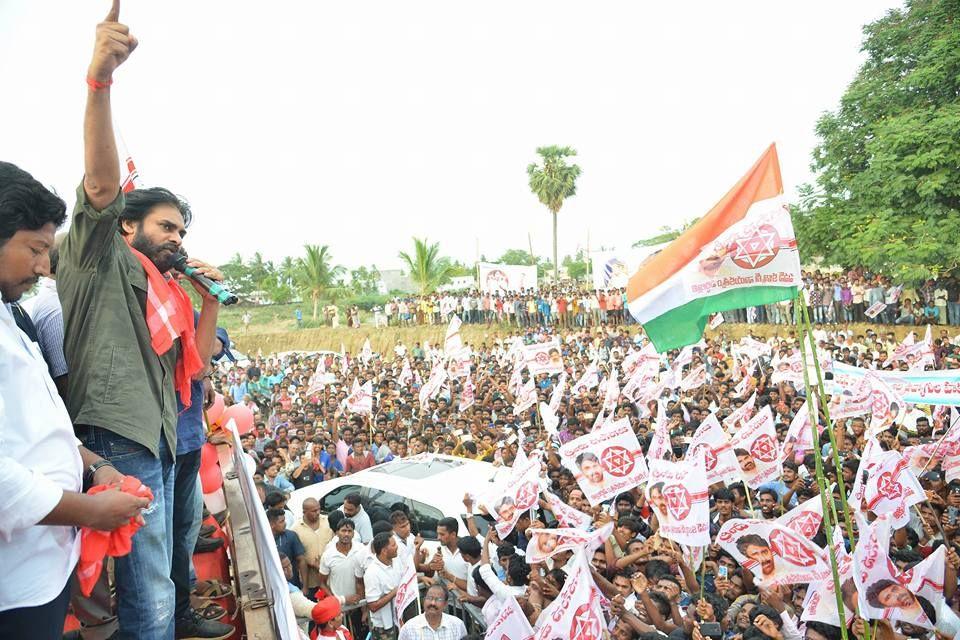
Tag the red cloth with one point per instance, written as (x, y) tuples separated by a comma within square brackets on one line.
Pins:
[(95, 545), (170, 316)]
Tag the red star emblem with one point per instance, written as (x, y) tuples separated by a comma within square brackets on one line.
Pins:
[(764, 448), (806, 523), (541, 358), (678, 501), (709, 456), (586, 625), (791, 550), (888, 487), (527, 495), (617, 461), (757, 249)]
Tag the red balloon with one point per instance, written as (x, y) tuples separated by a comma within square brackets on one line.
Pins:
[(241, 415), (210, 477), (215, 410)]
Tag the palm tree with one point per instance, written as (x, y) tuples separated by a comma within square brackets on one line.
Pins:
[(553, 183), (315, 275), (426, 266)]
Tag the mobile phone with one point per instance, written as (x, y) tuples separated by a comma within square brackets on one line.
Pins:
[(711, 630), (722, 571), (952, 514)]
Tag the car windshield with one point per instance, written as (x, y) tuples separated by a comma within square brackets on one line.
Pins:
[(417, 470)]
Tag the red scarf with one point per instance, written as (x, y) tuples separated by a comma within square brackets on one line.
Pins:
[(170, 316)]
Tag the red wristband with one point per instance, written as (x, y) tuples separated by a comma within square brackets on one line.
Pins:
[(96, 85)]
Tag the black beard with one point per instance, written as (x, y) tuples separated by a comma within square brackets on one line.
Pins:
[(163, 262)]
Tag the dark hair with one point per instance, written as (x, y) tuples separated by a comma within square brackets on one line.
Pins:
[(25, 204), (382, 526), (274, 498), (629, 523), (828, 631), (380, 542), (346, 522), (765, 610), (353, 498), (751, 539), (518, 571), (656, 569), (478, 580), (398, 517), (469, 546), (723, 494), (275, 514), (450, 524), (587, 455), (139, 203), (769, 492)]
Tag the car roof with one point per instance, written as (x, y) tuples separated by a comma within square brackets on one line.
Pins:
[(434, 479)]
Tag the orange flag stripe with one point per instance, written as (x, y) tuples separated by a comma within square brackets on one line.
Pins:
[(762, 181)]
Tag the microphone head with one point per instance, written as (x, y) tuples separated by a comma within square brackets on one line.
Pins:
[(179, 261)]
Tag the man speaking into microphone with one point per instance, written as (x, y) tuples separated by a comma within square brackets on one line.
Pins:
[(129, 336)]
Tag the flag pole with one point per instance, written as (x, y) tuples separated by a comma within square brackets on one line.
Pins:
[(834, 451), (821, 479)]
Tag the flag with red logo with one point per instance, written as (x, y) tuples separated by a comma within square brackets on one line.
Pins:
[(510, 622), (360, 399), (606, 462), (774, 554), (543, 357), (789, 368), (407, 590), (576, 612), (916, 354), (640, 379), (711, 440), (694, 379), (468, 395), (660, 448), (566, 515), (546, 543), (758, 450), (885, 592), (887, 407), (406, 374), (507, 501), (677, 491), (526, 398), (589, 380), (805, 518), (742, 414), (884, 484), (799, 438), (849, 397), (820, 604)]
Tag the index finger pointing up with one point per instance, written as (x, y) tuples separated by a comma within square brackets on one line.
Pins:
[(114, 14)]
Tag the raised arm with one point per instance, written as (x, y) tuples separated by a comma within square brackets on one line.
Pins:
[(101, 179)]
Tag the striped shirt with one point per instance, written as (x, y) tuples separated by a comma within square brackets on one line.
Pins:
[(47, 315)]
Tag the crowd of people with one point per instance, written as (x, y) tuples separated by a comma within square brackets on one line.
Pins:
[(105, 372), (833, 297), (303, 435)]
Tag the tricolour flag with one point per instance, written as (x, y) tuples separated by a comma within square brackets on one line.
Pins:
[(742, 253)]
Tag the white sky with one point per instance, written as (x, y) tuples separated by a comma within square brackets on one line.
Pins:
[(361, 124)]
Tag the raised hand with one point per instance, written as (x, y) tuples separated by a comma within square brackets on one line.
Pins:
[(113, 46)]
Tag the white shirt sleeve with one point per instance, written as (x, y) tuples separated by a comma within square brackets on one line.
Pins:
[(26, 497), (789, 630), (497, 588)]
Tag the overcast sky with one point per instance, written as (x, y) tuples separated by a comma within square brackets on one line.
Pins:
[(361, 124)]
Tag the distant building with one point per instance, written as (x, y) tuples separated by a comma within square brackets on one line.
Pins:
[(459, 283), (396, 280)]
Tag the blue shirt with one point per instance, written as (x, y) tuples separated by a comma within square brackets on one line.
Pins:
[(190, 432)]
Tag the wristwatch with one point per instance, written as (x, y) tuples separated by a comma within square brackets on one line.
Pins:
[(92, 469)]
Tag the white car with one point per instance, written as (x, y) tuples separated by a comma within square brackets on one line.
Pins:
[(431, 485)]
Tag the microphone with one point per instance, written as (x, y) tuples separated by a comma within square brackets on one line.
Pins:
[(211, 287)]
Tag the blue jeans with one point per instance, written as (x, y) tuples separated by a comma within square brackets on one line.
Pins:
[(953, 313), (187, 516), (145, 594)]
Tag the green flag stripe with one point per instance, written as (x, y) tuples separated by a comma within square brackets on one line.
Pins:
[(684, 325)]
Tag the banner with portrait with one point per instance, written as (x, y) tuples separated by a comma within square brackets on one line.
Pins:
[(606, 462), (506, 278), (774, 554)]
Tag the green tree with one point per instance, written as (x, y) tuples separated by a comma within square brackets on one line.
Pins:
[(364, 281), (236, 276), (427, 268), (553, 182), (887, 191), (577, 266), (665, 234), (315, 274), (517, 256)]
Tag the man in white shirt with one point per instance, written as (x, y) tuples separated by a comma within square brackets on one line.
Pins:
[(41, 464), (433, 623), (340, 570), (380, 581), (448, 563), (352, 509)]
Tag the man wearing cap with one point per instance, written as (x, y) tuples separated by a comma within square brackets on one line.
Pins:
[(433, 622), (327, 619)]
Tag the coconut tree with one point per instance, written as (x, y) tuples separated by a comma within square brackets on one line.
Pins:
[(315, 274), (426, 266), (552, 182)]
